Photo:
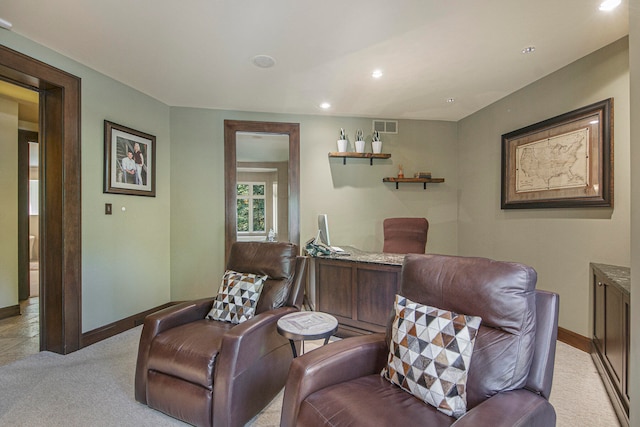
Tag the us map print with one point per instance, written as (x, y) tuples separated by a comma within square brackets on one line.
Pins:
[(552, 163)]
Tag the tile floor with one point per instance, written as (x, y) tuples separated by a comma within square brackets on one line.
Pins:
[(20, 335)]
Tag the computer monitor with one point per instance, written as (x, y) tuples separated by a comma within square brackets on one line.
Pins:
[(323, 229)]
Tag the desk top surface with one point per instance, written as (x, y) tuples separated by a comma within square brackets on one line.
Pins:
[(358, 255), (617, 274)]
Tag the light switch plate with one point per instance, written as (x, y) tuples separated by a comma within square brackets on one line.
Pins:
[(107, 209)]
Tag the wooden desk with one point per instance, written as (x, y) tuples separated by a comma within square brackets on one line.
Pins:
[(358, 290)]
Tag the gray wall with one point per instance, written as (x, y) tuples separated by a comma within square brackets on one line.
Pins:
[(634, 67), (353, 195), (125, 256), (8, 199), (558, 243)]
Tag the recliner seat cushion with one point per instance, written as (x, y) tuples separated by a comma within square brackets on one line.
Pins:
[(189, 351), (372, 401)]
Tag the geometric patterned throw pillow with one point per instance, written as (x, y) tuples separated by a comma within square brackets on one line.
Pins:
[(430, 353), (237, 297)]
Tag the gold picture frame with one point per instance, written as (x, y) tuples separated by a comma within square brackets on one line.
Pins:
[(562, 162)]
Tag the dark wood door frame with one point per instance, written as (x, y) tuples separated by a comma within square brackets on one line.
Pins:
[(24, 137), (60, 198)]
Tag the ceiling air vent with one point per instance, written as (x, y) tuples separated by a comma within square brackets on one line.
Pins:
[(386, 126)]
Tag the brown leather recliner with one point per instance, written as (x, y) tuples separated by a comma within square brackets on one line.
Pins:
[(213, 373), (405, 235), (511, 370)]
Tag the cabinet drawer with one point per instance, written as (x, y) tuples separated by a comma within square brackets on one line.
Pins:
[(376, 292), (334, 292), (359, 294)]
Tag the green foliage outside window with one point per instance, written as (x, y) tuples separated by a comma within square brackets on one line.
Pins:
[(243, 214), (258, 215), (243, 189), (251, 207)]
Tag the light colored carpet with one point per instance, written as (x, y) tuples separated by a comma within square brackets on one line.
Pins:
[(94, 386), (578, 394)]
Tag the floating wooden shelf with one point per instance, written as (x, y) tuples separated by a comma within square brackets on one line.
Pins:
[(424, 181), (353, 155)]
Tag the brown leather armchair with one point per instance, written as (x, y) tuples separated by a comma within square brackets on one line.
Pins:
[(511, 370), (405, 235), (212, 373)]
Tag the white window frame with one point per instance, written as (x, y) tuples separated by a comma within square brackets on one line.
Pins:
[(251, 198)]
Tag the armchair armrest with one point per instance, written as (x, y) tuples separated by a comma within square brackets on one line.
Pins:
[(520, 408), (247, 352), (331, 364), (158, 322), (243, 344), (296, 295)]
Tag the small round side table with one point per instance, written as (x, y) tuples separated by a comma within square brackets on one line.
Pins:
[(307, 325)]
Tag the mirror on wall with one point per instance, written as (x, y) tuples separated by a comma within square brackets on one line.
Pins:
[(262, 168), (262, 182)]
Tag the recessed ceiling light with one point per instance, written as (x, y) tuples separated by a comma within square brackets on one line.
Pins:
[(451, 100), (529, 49), (5, 24), (376, 74), (263, 61), (607, 5), (325, 105)]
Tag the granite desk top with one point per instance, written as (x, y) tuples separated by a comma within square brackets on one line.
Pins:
[(617, 274), (358, 255)]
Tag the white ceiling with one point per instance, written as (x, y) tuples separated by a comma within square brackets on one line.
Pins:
[(198, 53)]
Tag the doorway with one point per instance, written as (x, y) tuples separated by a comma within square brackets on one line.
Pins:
[(28, 201), (19, 288), (60, 199), (28, 228)]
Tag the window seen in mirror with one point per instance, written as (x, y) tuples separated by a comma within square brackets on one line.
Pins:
[(251, 207), (258, 215)]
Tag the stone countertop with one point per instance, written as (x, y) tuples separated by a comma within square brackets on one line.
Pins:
[(358, 255), (617, 274)]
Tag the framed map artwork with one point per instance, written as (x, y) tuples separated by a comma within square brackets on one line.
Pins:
[(562, 162)]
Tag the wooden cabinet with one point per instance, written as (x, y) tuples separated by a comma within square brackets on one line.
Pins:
[(359, 294), (611, 317)]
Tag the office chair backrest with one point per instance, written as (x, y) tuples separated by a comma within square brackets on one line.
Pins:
[(405, 235)]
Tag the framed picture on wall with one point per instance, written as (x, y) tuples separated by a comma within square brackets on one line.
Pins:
[(129, 161), (562, 162)]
